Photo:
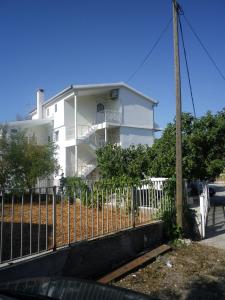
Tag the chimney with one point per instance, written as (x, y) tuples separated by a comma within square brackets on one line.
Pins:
[(40, 101)]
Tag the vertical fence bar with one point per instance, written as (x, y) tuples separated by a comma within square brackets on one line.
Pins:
[(81, 214), (2, 224), (124, 209), (39, 219), (162, 197), (157, 199), (154, 199), (111, 195), (97, 211), (62, 208), (92, 212), (120, 208), (54, 219), (149, 204), (102, 211), (46, 218), (75, 217), (128, 208), (116, 210), (12, 223), (133, 200), (140, 204), (68, 215), (144, 202), (21, 226), (86, 209), (107, 212), (31, 208)]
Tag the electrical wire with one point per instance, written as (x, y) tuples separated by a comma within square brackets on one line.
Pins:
[(150, 51), (204, 48), (187, 67)]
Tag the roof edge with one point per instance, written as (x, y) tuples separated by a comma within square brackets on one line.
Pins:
[(96, 86)]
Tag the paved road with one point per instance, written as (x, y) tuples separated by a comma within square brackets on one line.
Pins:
[(215, 230)]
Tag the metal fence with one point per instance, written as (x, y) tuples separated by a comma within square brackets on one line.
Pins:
[(41, 219), (204, 208)]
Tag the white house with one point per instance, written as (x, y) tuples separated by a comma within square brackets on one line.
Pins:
[(82, 118)]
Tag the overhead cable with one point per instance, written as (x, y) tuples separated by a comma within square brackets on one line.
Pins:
[(187, 67), (204, 48), (150, 52)]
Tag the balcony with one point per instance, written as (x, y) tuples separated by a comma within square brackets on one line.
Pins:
[(83, 130), (110, 116)]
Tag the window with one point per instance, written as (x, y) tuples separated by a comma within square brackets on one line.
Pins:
[(56, 136), (13, 131), (100, 107), (55, 107), (47, 112)]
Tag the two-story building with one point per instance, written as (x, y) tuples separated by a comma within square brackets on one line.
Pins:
[(82, 118)]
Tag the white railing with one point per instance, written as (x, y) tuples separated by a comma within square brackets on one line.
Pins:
[(204, 208), (70, 133), (82, 131), (85, 130), (84, 169), (111, 116), (40, 219)]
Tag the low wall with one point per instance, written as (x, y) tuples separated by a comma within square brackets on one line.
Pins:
[(89, 259)]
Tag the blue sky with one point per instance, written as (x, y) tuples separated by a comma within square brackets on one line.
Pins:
[(51, 44)]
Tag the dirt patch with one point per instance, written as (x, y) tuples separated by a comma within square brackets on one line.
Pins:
[(188, 272), (29, 228)]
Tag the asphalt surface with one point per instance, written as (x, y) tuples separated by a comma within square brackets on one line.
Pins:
[(215, 230)]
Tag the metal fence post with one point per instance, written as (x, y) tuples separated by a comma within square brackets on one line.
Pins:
[(133, 200), (54, 218)]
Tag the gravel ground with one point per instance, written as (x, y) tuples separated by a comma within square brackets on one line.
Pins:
[(192, 271), (73, 223)]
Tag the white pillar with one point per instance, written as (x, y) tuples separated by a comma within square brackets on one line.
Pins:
[(75, 132), (105, 128)]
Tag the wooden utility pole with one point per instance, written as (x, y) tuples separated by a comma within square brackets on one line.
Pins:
[(179, 181)]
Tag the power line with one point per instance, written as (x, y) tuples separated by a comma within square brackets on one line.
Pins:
[(150, 51), (204, 48), (187, 67)]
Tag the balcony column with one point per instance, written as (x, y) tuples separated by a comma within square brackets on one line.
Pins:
[(75, 131), (105, 128), (105, 134)]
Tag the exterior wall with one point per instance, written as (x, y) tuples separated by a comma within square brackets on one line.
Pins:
[(85, 155), (136, 127), (61, 151), (59, 115), (34, 116), (70, 161), (134, 136), (86, 110), (42, 133), (69, 113), (137, 111)]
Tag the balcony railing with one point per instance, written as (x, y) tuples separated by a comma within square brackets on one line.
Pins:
[(110, 116)]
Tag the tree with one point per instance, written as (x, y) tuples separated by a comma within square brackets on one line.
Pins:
[(23, 162), (114, 161), (203, 141)]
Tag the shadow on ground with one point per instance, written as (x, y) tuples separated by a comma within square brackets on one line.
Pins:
[(12, 236)]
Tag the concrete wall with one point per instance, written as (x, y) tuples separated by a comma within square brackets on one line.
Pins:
[(134, 136), (137, 111), (69, 113), (89, 259)]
